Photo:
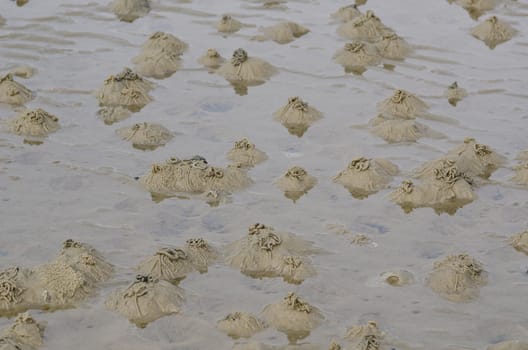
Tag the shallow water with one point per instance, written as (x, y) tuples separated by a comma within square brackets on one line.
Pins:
[(80, 182)]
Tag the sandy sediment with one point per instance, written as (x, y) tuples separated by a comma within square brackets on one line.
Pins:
[(293, 316), (521, 174), (295, 182), (347, 13), (297, 116), (168, 264), (509, 345), (146, 300), (24, 334), (356, 56), (392, 47), (367, 27), (34, 123), (246, 154), (242, 68), (397, 278), (13, 92), (285, 32), (402, 104), (265, 252), (363, 176), (130, 10), (240, 325), (455, 94), (520, 242), (111, 115), (493, 32), (160, 55), (457, 278), (228, 24), (211, 59), (126, 89), (193, 175), (394, 130), (146, 136)]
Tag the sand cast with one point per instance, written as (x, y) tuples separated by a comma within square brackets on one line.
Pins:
[(146, 300), (246, 154), (157, 64), (392, 47), (200, 253), (265, 252), (228, 24), (402, 104), (242, 68), (520, 242), (476, 159), (365, 176), (395, 130), (457, 278), (297, 115), (347, 13), (164, 41), (397, 278), (111, 115), (284, 32), (168, 264), (130, 10), (211, 59), (24, 334), (293, 316), (146, 136), (295, 182), (193, 175), (13, 92), (367, 27), (126, 89), (455, 94), (240, 325), (34, 123), (521, 174), (493, 32), (356, 55)]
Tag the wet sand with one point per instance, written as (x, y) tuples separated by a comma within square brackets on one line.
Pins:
[(79, 183)]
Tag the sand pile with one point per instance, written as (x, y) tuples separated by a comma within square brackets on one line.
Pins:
[(13, 92), (397, 278), (356, 56), (193, 175), (246, 154), (457, 278), (293, 316), (64, 282), (228, 24), (160, 56), (146, 300), (297, 116), (367, 27), (130, 10), (402, 104), (34, 125), (364, 177), (393, 129), (455, 94), (493, 32), (126, 89), (240, 325), (347, 13), (284, 32), (445, 189), (520, 242), (521, 174), (243, 69), (392, 46), (265, 252), (24, 334), (145, 136), (211, 59), (295, 183)]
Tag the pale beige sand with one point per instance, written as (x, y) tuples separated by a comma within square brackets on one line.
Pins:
[(13, 92), (34, 123), (240, 325), (146, 136), (493, 32), (130, 10), (24, 334), (246, 154)]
